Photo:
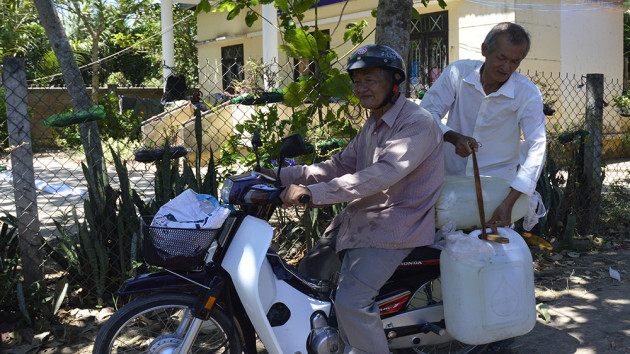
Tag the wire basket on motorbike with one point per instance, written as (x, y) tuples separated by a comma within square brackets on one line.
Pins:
[(175, 248)]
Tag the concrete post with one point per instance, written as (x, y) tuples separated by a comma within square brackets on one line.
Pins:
[(593, 153), (168, 39), (19, 129), (270, 38)]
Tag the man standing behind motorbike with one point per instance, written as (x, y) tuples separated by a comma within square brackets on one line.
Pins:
[(489, 102), (391, 174)]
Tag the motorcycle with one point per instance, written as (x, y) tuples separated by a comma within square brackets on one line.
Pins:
[(242, 290)]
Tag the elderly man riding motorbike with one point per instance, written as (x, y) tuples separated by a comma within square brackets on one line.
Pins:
[(391, 174)]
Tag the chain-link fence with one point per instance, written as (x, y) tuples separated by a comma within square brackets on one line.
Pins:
[(87, 237)]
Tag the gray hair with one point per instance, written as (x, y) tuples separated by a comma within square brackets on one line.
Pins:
[(516, 35)]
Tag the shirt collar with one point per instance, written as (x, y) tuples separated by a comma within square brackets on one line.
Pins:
[(390, 116), (507, 89)]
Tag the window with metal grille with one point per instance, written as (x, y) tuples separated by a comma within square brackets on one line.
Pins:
[(232, 65), (428, 50)]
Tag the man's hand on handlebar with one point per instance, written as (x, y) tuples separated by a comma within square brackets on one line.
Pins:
[(291, 195), (464, 145)]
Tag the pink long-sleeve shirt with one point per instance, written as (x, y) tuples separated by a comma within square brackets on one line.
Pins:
[(391, 174)]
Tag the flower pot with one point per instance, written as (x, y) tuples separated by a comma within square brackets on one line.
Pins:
[(273, 96), (66, 119), (150, 155)]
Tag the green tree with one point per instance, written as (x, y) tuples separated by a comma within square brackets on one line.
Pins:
[(98, 18), (138, 46), (144, 28), (186, 55), (128, 35), (18, 27), (21, 35), (90, 137), (134, 46)]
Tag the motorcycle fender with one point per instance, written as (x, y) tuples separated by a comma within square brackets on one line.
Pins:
[(163, 282), (243, 262), (258, 289)]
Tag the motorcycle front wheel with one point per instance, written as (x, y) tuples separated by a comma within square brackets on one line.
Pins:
[(157, 324)]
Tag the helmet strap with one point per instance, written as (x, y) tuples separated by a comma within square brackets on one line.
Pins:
[(390, 96)]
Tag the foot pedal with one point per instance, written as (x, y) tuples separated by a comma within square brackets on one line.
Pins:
[(430, 327)]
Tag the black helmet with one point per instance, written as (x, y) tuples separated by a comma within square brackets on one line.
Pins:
[(375, 56)]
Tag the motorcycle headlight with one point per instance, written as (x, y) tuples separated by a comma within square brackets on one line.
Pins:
[(226, 190)]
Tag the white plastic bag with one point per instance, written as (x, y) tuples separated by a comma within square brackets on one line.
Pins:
[(536, 211), (190, 210), (462, 247)]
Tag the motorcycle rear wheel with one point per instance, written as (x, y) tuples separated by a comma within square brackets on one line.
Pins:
[(149, 324)]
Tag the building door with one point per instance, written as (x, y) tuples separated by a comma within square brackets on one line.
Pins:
[(428, 51), (232, 63)]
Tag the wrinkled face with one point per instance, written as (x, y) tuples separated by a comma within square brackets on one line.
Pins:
[(371, 86), (503, 61)]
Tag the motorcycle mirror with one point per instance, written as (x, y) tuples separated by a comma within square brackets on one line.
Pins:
[(292, 146), (256, 142)]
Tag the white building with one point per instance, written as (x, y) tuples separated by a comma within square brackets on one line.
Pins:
[(568, 37)]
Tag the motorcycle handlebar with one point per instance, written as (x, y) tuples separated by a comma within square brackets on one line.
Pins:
[(274, 197)]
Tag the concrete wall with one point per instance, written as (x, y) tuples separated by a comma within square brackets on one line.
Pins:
[(165, 125), (468, 25), (592, 42)]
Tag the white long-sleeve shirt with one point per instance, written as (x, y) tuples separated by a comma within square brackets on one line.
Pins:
[(496, 121)]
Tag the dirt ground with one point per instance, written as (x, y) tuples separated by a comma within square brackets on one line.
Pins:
[(588, 309)]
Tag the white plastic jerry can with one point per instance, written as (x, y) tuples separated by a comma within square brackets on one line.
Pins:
[(494, 299), (458, 197)]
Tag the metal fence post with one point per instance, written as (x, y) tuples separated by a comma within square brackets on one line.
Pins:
[(19, 129), (593, 152)]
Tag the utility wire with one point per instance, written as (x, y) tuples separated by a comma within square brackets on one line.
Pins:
[(618, 2), (494, 4)]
